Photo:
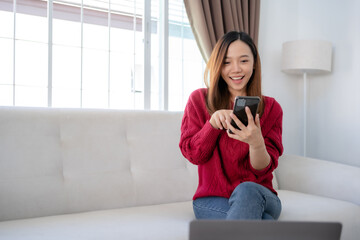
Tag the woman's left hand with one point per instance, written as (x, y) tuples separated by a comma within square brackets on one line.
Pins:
[(250, 134)]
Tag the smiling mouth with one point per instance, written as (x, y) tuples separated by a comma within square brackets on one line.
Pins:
[(237, 78)]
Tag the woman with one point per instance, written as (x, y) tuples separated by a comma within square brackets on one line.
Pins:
[(235, 169)]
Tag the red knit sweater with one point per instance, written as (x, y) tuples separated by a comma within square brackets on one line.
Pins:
[(223, 162)]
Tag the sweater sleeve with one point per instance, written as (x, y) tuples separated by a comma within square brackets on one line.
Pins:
[(273, 139), (198, 138)]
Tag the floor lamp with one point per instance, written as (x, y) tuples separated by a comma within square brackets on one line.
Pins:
[(306, 57)]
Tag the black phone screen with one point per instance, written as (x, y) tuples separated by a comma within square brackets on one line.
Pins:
[(239, 109)]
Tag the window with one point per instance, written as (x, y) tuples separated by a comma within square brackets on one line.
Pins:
[(97, 54)]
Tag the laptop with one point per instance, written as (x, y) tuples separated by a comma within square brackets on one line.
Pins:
[(263, 230)]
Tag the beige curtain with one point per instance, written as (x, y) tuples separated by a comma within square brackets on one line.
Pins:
[(211, 19)]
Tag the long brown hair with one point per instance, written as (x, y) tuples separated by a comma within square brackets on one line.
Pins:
[(218, 95)]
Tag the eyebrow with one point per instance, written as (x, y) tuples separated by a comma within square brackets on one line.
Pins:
[(240, 56)]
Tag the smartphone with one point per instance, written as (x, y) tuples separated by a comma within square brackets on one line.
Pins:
[(239, 109)]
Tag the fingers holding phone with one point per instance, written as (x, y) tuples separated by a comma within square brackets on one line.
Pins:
[(251, 120), (240, 104), (245, 122), (250, 134)]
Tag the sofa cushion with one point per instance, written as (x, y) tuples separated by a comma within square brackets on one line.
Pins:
[(319, 177), (298, 206), (166, 221), (274, 182), (62, 161), (170, 221)]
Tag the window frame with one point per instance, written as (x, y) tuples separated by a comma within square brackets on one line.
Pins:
[(122, 21)]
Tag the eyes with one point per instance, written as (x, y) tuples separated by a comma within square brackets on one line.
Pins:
[(241, 61)]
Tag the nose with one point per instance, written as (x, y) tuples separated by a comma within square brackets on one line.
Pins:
[(236, 67)]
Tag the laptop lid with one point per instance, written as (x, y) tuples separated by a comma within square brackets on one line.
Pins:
[(263, 230)]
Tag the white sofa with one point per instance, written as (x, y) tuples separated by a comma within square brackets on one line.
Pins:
[(110, 174)]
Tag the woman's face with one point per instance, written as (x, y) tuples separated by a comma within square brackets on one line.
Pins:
[(237, 68)]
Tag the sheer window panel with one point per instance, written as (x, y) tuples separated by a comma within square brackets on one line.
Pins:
[(31, 61), (155, 89), (186, 65), (32, 28), (176, 80), (95, 69), (122, 48), (175, 47), (31, 96), (191, 50), (66, 97), (95, 36), (31, 56), (121, 68), (6, 22), (6, 95), (101, 4), (139, 101), (66, 62), (155, 78), (184, 56), (6, 61), (126, 24), (126, 68), (95, 78), (193, 78), (66, 80), (95, 98), (122, 60), (66, 24), (193, 68), (66, 32), (138, 72), (175, 85), (95, 25), (138, 85), (126, 38), (122, 100), (122, 41), (66, 67)]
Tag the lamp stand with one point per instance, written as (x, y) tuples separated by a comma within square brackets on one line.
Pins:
[(305, 110)]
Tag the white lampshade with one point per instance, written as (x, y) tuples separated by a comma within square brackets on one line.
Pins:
[(311, 56)]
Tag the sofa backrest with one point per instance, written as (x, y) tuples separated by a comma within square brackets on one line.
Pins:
[(59, 161)]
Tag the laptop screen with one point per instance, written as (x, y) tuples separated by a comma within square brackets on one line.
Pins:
[(263, 230)]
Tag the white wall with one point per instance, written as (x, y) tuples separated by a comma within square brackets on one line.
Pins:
[(334, 99)]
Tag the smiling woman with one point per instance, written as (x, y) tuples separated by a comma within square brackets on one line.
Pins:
[(238, 68), (219, 96), (235, 165), (93, 54)]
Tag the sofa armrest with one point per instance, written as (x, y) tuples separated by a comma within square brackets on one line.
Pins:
[(319, 177)]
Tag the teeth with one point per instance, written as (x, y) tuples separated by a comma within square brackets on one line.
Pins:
[(236, 78)]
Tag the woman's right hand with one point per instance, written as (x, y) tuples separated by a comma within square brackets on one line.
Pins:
[(219, 118)]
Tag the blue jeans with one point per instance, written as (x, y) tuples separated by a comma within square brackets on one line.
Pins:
[(249, 200)]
